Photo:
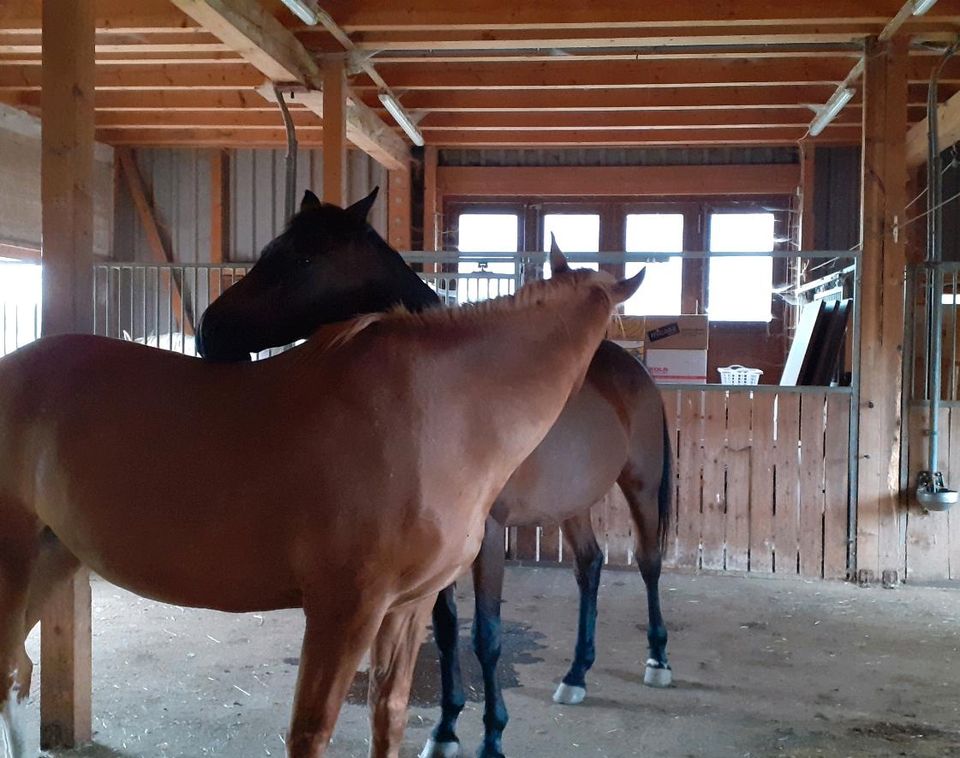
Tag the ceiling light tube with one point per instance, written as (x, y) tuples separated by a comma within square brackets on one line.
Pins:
[(403, 119), (829, 111), (303, 10), (922, 6)]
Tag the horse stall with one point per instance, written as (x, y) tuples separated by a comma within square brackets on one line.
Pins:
[(772, 169)]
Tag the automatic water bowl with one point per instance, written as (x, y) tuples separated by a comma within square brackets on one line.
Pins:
[(932, 494)]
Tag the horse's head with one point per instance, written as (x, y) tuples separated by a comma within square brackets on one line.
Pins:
[(328, 265)]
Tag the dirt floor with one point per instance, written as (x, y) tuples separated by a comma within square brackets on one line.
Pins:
[(763, 667)]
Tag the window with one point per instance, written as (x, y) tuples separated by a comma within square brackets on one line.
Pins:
[(661, 289), (19, 304), (575, 233), (739, 287), (486, 233)]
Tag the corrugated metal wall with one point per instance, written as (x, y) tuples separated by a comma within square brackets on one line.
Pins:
[(836, 198), (179, 183), (620, 156)]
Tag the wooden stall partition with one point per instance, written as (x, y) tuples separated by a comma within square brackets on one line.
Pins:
[(836, 486), (737, 458), (929, 534)]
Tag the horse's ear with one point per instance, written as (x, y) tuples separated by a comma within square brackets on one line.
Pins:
[(309, 202), (360, 210), (626, 288), (558, 261)]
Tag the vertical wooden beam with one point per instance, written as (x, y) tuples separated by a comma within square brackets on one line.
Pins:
[(807, 174), (334, 130), (219, 206), (879, 545), (160, 250), (431, 221), (398, 204), (67, 257)]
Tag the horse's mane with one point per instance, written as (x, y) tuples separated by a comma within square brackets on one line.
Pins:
[(533, 295)]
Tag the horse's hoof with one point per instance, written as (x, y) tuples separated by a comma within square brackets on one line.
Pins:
[(434, 749), (657, 675), (569, 694)]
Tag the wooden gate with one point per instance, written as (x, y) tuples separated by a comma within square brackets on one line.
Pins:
[(761, 480)]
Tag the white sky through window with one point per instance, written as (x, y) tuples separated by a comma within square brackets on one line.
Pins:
[(575, 232), (739, 287), (660, 292)]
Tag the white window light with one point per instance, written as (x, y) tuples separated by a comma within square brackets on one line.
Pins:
[(305, 10), (403, 119), (829, 111), (922, 6)]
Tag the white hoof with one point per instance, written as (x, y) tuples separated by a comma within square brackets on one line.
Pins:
[(657, 676), (568, 694), (434, 749)]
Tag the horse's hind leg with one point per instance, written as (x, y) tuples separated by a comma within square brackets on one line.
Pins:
[(17, 553), (392, 660), (588, 558), (645, 509), (53, 565), (443, 742)]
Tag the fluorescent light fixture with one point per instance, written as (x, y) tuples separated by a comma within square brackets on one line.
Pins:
[(304, 10), (829, 111), (401, 117), (922, 6)]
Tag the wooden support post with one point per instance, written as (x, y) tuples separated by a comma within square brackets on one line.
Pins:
[(334, 131), (219, 206), (160, 250), (398, 204), (807, 174), (67, 133), (879, 545), (431, 221)]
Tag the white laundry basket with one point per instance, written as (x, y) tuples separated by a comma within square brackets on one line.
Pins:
[(738, 374)]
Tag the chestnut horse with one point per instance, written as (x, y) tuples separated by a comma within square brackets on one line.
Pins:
[(613, 431), (350, 476)]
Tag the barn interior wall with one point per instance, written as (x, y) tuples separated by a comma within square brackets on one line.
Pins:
[(177, 181), (20, 216)]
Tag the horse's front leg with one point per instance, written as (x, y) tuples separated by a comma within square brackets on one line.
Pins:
[(488, 591), (392, 660), (443, 741), (333, 645), (578, 532)]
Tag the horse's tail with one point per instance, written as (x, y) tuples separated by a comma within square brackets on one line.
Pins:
[(665, 493)]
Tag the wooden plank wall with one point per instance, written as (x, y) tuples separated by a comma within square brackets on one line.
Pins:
[(760, 486), (933, 539)]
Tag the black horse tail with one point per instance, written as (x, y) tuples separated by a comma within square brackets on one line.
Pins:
[(665, 493)]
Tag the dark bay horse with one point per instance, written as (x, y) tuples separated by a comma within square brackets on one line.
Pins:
[(332, 477), (612, 431)]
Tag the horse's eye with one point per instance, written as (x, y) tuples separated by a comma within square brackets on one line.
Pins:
[(305, 260)]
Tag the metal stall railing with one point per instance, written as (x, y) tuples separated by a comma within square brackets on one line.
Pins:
[(19, 304)]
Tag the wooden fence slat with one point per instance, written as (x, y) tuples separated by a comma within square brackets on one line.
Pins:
[(526, 543), (690, 469), (671, 408), (836, 486), (714, 476), (953, 516), (762, 460), (619, 537), (786, 521), (739, 417), (550, 543), (927, 532), (811, 483)]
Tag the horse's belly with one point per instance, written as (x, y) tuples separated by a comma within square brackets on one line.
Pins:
[(575, 465)]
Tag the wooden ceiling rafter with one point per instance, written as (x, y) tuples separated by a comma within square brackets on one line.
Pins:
[(568, 72)]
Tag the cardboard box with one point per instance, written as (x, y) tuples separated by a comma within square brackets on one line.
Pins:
[(677, 366), (661, 332)]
